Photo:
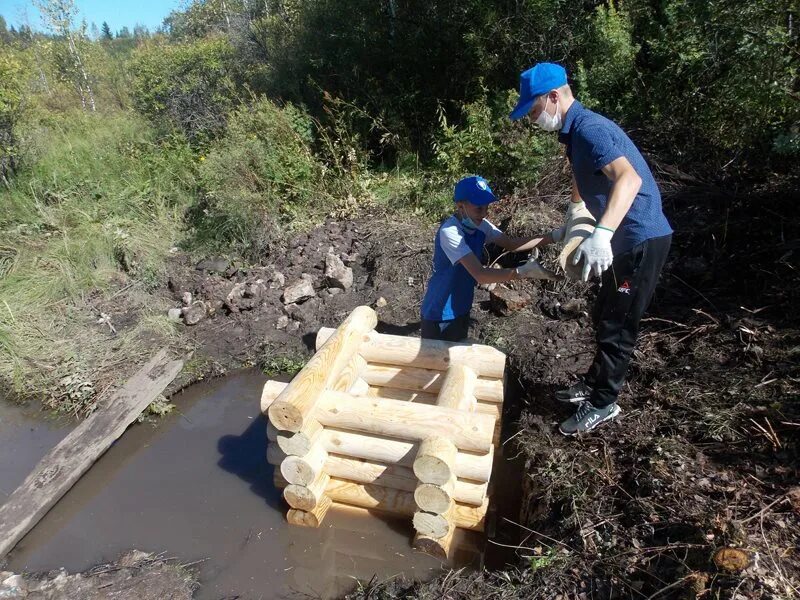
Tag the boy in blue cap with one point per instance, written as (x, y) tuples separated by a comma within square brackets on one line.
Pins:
[(629, 245), (457, 264)]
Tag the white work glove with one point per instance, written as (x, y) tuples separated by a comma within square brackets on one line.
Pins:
[(574, 208), (533, 270), (595, 252)]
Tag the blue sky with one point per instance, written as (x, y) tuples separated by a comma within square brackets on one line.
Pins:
[(117, 14)]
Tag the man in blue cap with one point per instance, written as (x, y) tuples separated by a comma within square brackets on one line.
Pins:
[(457, 266), (629, 245)]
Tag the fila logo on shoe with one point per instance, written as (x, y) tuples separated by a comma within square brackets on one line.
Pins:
[(592, 419), (625, 288)]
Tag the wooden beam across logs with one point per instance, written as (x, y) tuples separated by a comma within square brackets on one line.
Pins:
[(396, 477), (425, 353), (426, 380), (376, 497), (395, 418), (475, 468), (296, 403), (487, 408)]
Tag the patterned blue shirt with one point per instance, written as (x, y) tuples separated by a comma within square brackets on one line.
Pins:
[(593, 142)]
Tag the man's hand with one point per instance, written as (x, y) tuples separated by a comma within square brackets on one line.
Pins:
[(533, 270), (595, 252)]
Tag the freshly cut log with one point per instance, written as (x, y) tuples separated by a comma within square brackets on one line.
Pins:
[(302, 470), (426, 380), (395, 418), (299, 443), (470, 466), (487, 408), (382, 499), (359, 388), (441, 548), (296, 403), (398, 394), (437, 499), (361, 471), (311, 518), (397, 477), (425, 353), (275, 455), (272, 431), (435, 460), (458, 388), (349, 375), (306, 497), (434, 525)]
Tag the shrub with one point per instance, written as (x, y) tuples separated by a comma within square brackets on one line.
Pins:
[(261, 175), (488, 143), (188, 86)]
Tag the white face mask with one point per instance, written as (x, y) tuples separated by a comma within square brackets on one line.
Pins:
[(547, 121), (469, 224)]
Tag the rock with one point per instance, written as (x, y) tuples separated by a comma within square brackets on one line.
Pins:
[(232, 298), (213, 265), (283, 321), (307, 311), (336, 274), (293, 326), (231, 271), (349, 259), (574, 307), (334, 291), (195, 313), (299, 290), (380, 302), (12, 586), (276, 280), (187, 298), (174, 314), (505, 301)]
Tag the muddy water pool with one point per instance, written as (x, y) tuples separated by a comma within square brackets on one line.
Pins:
[(196, 487)]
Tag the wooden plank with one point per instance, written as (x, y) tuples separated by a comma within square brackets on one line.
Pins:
[(426, 353), (58, 471)]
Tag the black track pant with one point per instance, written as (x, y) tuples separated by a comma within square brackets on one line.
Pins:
[(625, 294)]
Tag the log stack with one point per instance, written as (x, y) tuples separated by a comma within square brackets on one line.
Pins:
[(387, 423)]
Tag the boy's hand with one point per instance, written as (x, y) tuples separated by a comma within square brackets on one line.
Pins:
[(533, 270)]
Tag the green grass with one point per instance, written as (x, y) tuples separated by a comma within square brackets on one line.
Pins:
[(95, 208)]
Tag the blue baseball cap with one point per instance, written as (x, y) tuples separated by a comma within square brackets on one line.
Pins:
[(474, 189), (534, 82)]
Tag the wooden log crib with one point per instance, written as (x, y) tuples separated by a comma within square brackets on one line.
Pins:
[(388, 423)]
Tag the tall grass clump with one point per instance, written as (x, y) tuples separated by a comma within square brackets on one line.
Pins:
[(96, 205)]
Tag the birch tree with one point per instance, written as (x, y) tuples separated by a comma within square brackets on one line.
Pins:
[(59, 17)]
